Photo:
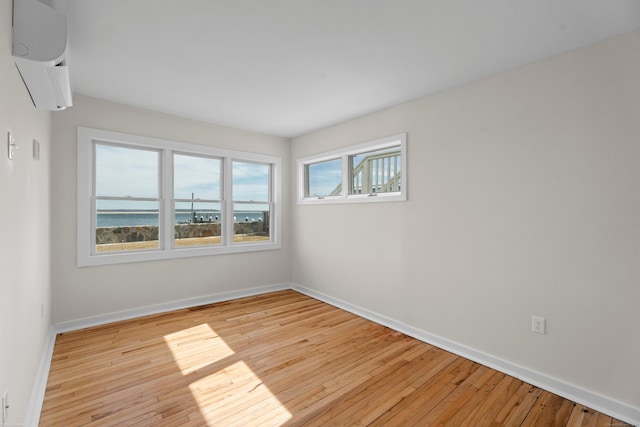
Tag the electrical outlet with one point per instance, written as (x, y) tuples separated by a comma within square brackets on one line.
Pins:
[(538, 325), (5, 406)]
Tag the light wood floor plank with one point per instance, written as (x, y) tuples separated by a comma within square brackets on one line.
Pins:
[(281, 359)]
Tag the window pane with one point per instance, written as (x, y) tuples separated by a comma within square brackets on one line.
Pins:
[(126, 172), (251, 222), (125, 225), (324, 178), (197, 177), (197, 224), (375, 172), (251, 182)]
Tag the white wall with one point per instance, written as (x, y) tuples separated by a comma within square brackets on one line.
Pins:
[(523, 199), (89, 292), (25, 226)]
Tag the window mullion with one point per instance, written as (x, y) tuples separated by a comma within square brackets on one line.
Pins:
[(227, 202), (166, 203), (129, 198), (346, 168)]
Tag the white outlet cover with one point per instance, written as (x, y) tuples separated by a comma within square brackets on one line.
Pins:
[(538, 325)]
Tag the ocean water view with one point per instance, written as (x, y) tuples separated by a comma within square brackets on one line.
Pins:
[(124, 218)]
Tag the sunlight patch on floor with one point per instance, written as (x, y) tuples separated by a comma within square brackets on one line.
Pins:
[(236, 396), (189, 345), (227, 392)]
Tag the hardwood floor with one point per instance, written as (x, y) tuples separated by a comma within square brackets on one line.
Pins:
[(281, 359)]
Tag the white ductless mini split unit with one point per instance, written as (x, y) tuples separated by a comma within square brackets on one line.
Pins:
[(39, 49)]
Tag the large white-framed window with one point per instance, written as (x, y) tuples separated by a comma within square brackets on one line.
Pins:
[(142, 199), (373, 171)]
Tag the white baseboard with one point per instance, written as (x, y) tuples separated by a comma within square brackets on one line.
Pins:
[(606, 405), (88, 322), (40, 384)]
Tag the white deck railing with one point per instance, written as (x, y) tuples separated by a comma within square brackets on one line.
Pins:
[(377, 173)]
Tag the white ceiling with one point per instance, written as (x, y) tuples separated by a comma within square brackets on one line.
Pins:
[(287, 67)]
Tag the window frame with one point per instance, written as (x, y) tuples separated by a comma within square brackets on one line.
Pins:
[(398, 140), (86, 206), (306, 185), (174, 200), (233, 201)]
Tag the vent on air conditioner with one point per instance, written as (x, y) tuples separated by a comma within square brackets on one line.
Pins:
[(39, 49)]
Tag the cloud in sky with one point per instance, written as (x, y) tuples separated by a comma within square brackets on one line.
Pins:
[(126, 172), (197, 175)]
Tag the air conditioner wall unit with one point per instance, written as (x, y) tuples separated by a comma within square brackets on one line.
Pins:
[(39, 50)]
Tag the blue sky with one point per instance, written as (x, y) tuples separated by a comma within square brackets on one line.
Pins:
[(324, 177), (132, 172)]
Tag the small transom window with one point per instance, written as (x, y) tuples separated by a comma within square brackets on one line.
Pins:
[(372, 171)]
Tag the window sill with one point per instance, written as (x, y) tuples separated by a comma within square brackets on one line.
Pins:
[(359, 198), (159, 254)]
